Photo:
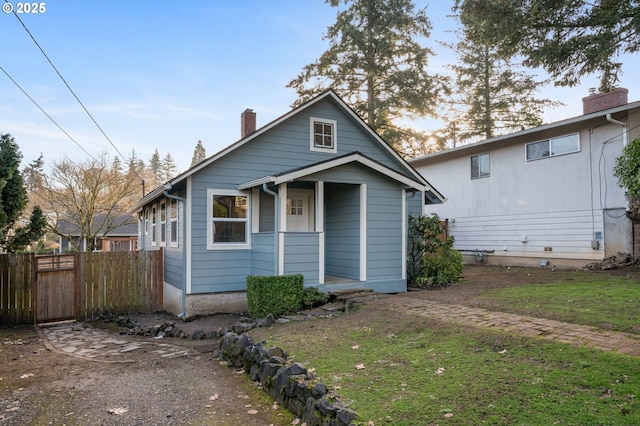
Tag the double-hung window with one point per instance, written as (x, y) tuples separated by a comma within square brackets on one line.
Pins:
[(154, 222), (323, 135), (480, 166), (163, 223), (552, 147), (229, 215), (173, 217)]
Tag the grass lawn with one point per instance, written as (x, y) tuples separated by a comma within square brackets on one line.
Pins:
[(405, 370), (610, 302)]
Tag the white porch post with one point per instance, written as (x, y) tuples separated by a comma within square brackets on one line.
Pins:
[(320, 228), (282, 192), (363, 232)]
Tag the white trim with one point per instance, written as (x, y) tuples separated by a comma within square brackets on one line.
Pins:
[(320, 206), (228, 246), (146, 224), (321, 259), (404, 233), (334, 135), (363, 232), (280, 270), (187, 245)]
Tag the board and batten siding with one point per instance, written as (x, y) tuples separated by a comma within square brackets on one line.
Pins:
[(555, 204)]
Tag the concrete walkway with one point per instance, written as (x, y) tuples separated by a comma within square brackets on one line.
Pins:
[(86, 342), (574, 334)]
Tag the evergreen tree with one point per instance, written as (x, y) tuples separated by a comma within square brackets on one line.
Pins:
[(376, 64), (117, 165), (13, 200), (33, 175), (155, 166), (493, 96), (169, 168), (568, 38), (199, 154)]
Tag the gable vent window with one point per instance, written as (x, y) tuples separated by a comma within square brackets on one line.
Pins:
[(552, 147), (480, 166), (323, 135)]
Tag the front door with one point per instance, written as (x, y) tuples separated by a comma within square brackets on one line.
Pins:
[(299, 210)]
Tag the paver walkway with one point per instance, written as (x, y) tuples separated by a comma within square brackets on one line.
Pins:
[(575, 334), (91, 343)]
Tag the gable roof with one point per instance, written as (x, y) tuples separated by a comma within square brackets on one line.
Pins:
[(412, 174), (533, 134), (124, 226), (352, 157)]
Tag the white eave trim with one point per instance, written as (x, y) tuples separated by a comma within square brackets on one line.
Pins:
[(320, 167)]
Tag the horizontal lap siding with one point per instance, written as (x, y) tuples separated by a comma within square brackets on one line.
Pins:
[(384, 229), (262, 254), (342, 232), (569, 234), (301, 255)]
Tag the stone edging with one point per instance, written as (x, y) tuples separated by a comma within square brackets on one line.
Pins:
[(290, 384)]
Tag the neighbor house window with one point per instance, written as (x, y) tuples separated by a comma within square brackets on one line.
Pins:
[(163, 223), (229, 219), (480, 166), (323, 135), (146, 221), (173, 217), (154, 222), (552, 147)]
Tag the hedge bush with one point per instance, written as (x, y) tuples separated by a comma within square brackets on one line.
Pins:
[(276, 295)]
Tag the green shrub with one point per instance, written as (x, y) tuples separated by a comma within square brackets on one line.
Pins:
[(312, 297), (432, 261), (276, 295)]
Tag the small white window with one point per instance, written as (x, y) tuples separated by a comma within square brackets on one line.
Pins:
[(228, 226), (561, 145), (154, 221), (146, 221), (323, 135), (173, 217), (163, 223), (480, 166), (295, 207)]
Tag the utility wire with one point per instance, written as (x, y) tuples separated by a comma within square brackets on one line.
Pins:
[(45, 113), (71, 90)]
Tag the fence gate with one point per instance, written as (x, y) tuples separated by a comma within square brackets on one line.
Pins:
[(55, 288)]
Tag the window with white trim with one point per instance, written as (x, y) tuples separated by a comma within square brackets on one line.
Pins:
[(154, 222), (480, 166), (228, 225), (323, 135), (552, 147), (173, 218), (146, 221), (163, 223)]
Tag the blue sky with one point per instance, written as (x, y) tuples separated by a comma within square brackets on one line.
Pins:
[(165, 74)]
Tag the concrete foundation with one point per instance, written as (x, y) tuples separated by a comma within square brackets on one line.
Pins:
[(204, 304)]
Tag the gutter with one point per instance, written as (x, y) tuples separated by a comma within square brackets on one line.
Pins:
[(167, 188), (625, 134)]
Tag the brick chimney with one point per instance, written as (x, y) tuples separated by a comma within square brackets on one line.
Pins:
[(601, 101), (247, 122)]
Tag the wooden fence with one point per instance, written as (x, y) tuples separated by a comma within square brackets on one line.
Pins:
[(116, 282)]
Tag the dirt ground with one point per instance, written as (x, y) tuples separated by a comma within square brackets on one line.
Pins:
[(39, 386)]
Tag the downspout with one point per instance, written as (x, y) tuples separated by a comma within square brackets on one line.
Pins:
[(625, 135), (276, 215), (167, 187)]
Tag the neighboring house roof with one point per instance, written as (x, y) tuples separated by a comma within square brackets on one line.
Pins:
[(535, 133), (126, 226), (411, 175)]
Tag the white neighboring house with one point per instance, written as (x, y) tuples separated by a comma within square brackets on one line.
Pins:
[(545, 195)]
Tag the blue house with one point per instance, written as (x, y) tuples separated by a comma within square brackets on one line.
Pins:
[(315, 192)]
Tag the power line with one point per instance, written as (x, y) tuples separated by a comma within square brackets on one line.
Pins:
[(71, 90), (45, 113)]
